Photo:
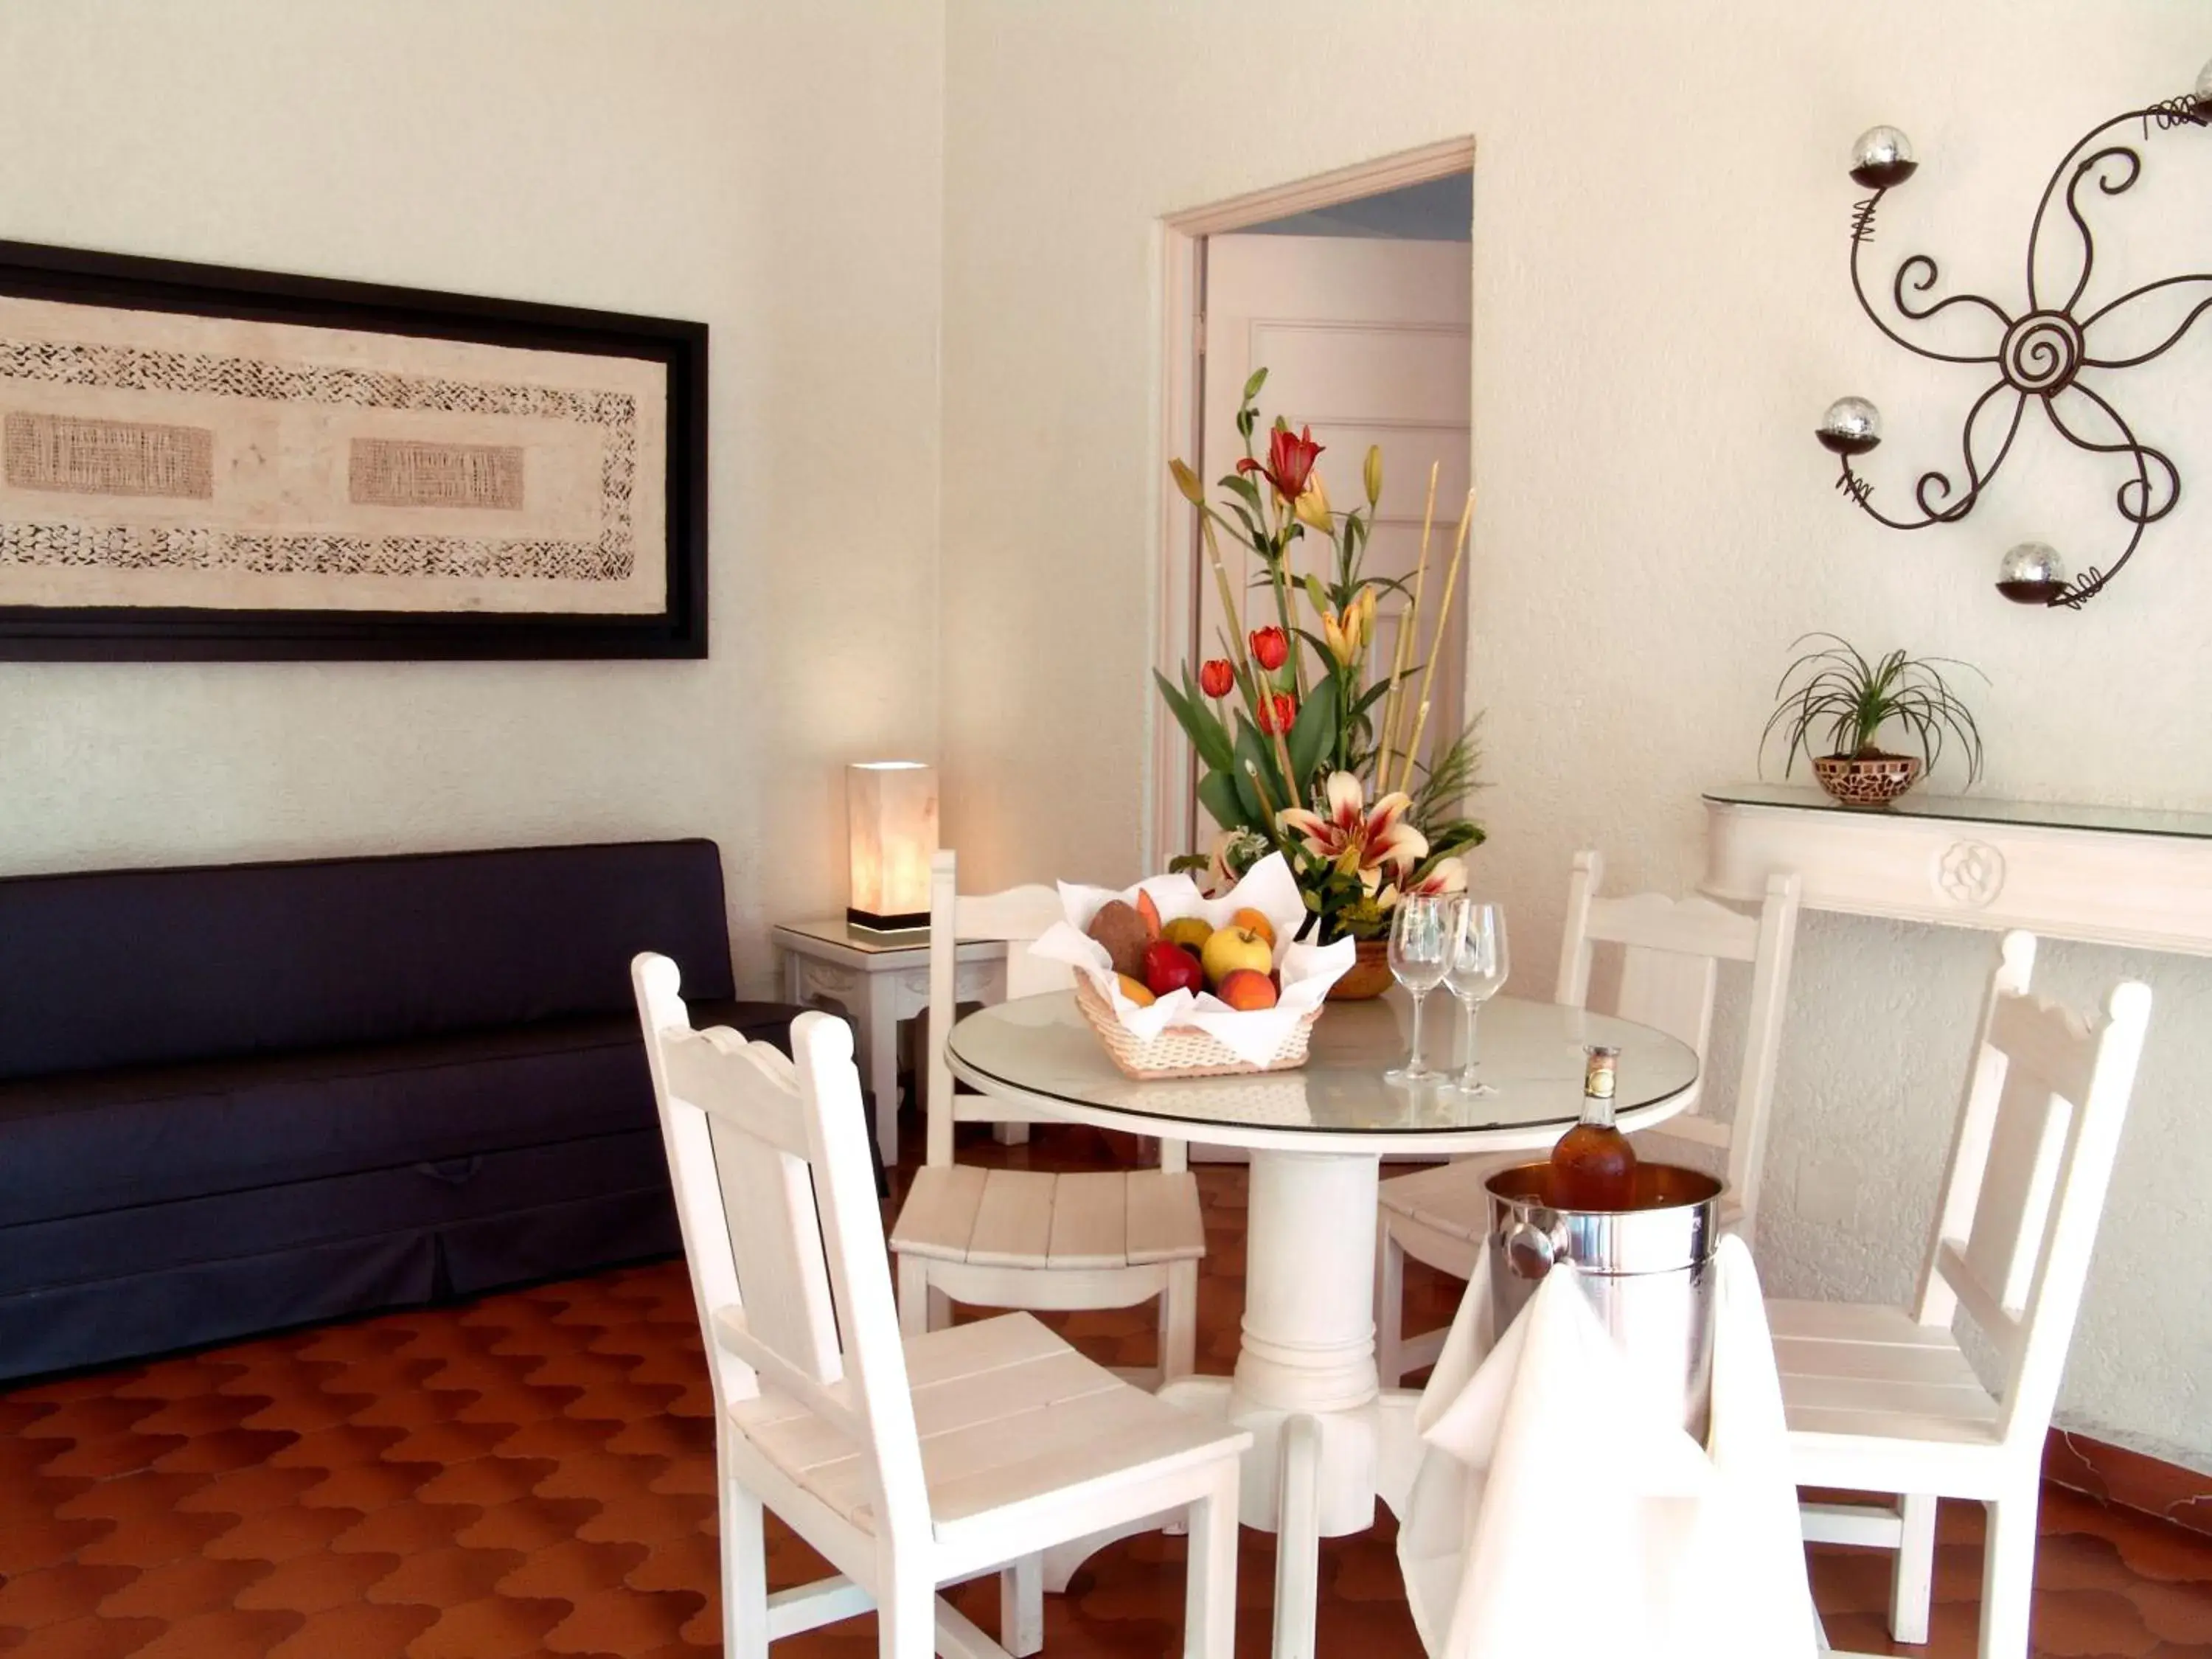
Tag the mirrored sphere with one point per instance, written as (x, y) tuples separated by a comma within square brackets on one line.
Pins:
[(1882, 157), (2031, 574), (1851, 426)]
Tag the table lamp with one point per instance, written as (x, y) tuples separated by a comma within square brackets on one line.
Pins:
[(890, 811)]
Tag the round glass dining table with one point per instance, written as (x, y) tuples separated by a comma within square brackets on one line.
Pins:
[(1328, 1441)]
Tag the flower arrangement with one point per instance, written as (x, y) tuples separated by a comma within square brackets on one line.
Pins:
[(1311, 747)]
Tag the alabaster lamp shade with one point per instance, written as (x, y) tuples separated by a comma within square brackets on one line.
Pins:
[(890, 811)]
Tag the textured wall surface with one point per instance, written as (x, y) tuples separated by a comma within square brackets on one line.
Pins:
[(1661, 311), (771, 170)]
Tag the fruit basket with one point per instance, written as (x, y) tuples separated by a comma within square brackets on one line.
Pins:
[(1183, 1051), (1179, 985)]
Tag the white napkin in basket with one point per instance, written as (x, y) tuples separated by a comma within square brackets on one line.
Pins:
[(1252, 1036)]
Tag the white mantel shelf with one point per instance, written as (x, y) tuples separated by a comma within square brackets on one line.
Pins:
[(2107, 875)]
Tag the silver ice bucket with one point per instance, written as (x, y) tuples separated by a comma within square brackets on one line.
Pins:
[(1648, 1271)]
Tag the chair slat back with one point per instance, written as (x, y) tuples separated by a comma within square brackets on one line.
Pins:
[(1016, 916), (2031, 1164), (1671, 951), (776, 1194)]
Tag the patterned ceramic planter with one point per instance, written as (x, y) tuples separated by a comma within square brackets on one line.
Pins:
[(1367, 978), (1866, 780)]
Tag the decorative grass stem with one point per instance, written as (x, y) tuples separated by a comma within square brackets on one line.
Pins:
[(1437, 640), (1408, 621)]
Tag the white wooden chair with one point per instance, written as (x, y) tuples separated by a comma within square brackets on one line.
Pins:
[(907, 1462), (1883, 1399), (1671, 952), (1025, 1238)]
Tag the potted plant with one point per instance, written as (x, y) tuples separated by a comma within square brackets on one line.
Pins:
[(1310, 744), (1838, 696)]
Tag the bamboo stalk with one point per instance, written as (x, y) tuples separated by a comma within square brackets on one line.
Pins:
[(1228, 593), (1407, 622), (1443, 621), (1421, 725)]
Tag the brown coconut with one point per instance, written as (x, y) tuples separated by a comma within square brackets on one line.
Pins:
[(1119, 927)]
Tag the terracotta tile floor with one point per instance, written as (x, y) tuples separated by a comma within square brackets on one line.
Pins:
[(532, 1472)]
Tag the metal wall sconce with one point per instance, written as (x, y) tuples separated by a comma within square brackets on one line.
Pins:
[(2044, 352)]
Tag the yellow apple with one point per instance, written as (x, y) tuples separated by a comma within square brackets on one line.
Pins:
[(1189, 932), (1232, 948)]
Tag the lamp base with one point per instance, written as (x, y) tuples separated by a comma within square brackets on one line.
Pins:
[(916, 921)]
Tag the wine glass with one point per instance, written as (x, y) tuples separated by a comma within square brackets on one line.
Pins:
[(1477, 973), (1422, 930)]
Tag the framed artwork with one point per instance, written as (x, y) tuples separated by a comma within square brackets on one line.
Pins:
[(203, 463)]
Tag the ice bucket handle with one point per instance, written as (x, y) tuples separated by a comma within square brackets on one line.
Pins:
[(1530, 1250)]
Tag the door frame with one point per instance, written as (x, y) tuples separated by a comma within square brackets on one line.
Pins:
[(1171, 771)]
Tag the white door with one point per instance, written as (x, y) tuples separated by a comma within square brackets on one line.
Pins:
[(1366, 340)]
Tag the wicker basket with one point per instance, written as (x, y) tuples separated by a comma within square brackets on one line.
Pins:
[(1181, 1051)]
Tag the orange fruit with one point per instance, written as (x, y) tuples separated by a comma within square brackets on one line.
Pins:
[(1254, 922)]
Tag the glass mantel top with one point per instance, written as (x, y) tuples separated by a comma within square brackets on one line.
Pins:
[(2042, 814)]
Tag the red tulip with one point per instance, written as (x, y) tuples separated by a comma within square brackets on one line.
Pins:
[(1289, 461), (1216, 679), (1277, 713), (1270, 649)]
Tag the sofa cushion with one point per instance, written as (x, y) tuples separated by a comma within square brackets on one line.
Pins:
[(117, 1138), (112, 1244), (138, 968)]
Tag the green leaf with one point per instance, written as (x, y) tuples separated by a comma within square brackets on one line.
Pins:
[(1313, 732), (1218, 795), (1240, 485), (1372, 694), (1252, 750), (1206, 733)]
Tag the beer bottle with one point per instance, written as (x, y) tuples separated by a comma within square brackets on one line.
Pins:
[(1593, 1165)]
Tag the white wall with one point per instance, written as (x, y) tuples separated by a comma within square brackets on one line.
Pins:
[(1661, 313), (771, 170)]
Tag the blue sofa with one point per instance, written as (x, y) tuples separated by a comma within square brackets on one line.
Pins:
[(235, 1098)]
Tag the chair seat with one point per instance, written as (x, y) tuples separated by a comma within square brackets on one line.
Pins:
[(1027, 1219), (1855, 1378), (1448, 1198), (1007, 1412)]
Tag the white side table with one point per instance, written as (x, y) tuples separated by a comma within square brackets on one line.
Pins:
[(879, 983)]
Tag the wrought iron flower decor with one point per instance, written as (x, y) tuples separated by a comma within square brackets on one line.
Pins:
[(2043, 353)]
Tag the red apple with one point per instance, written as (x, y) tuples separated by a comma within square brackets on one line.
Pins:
[(1169, 967)]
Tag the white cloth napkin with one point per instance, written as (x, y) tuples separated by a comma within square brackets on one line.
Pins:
[(1560, 1508), (1253, 1036)]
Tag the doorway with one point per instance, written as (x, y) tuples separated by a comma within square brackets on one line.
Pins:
[(1355, 293)]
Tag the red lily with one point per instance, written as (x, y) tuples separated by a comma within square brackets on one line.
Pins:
[(1216, 679), (1277, 713), (1270, 648), (1290, 462)]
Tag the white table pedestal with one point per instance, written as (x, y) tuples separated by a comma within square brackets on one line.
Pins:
[(1327, 1442), (1308, 1346)]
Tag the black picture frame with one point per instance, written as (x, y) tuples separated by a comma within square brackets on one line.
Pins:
[(79, 276)]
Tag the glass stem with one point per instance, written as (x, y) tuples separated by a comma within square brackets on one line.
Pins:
[(1414, 1065), (1467, 1070)]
